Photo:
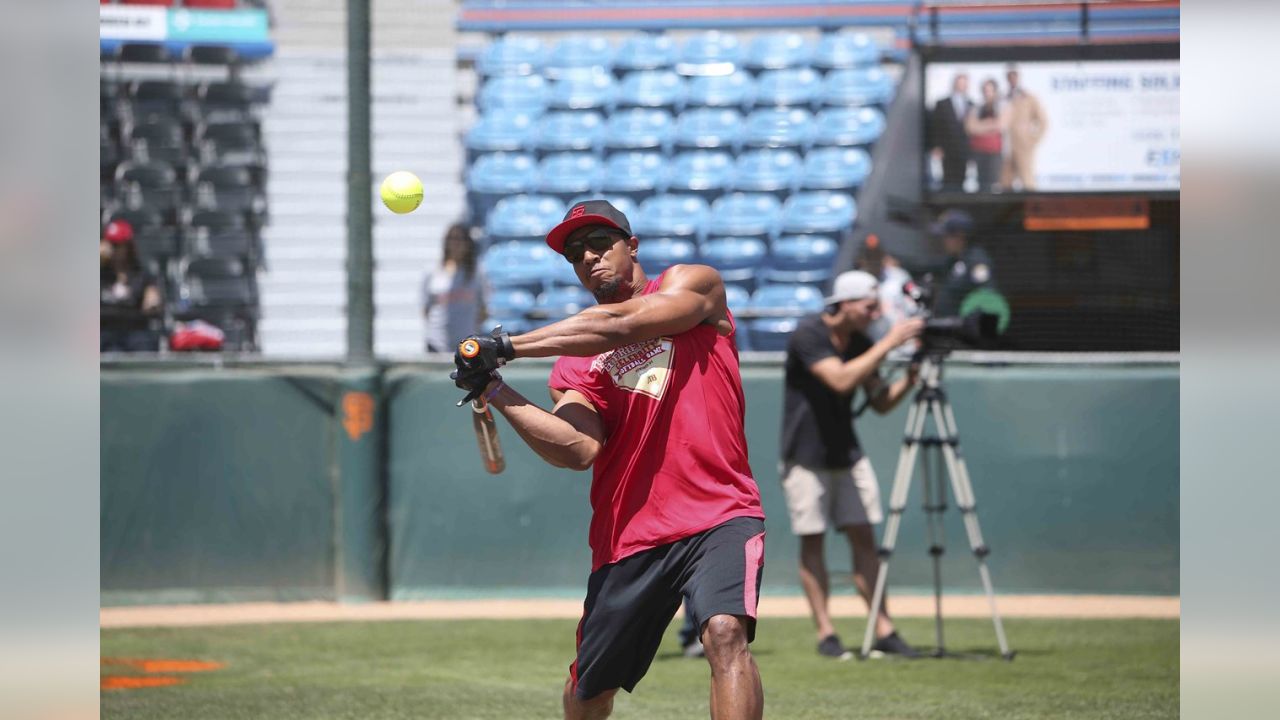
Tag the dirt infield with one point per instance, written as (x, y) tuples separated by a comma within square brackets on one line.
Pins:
[(1054, 606)]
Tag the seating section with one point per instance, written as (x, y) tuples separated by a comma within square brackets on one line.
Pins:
[(182, 159), (744, 154)]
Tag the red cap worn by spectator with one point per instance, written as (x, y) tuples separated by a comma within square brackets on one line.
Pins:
[(118, 231)]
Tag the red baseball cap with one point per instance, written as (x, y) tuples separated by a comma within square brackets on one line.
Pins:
[(117, 232), (587, 212)]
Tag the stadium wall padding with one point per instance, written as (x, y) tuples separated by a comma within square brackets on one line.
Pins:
[(238, 484)]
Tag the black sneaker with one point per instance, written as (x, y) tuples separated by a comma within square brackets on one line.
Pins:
[(892, 644), (830, 646)]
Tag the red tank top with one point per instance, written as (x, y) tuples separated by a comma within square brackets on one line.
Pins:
[(674, 460)]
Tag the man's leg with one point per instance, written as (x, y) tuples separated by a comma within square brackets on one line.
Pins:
[(736, 691), (596, 708), (866, 568), (814, 581)]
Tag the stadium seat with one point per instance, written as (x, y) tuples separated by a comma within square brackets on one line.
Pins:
[(143, 52), (857, 87), (848, 126), (509, 303), (499, 132), (659, 253), (636, 175), (513, 94), (638, 129), (230, 143), (220, 282), (770, 334), (801, 259), (777, 50), (496, 175), (520, 264), (220, 55), (738, 299), (644, 51), (159, 139), (109, 156), (777, 309), (736, 90), (706, 173), (228, 187), (841, 50), (156, 244), (557, 303), (523, 217), (512, 55), (744, 215), (709, 53), (583, 89), (818, 213), (767, 171), (708, 129), (230, 100), (574, 52), (680, 216), (661, 89), (154, 98), (835, 168), (140, 218), (778, 127), (738, 259), (567, 175), (568, 131), (789, 87), (152, 185)]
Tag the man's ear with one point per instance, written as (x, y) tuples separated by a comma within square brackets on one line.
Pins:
[(633, 244)]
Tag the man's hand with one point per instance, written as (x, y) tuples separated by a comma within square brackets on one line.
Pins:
[(483, 353), (904, 330), (474, 383)]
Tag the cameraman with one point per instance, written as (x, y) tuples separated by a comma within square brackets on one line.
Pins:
[(827, 479), (965, 268)]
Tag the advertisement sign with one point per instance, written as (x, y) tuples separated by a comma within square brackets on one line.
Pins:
[(248, 31)]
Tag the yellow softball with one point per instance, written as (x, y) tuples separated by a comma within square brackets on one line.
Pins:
[(402, 192)]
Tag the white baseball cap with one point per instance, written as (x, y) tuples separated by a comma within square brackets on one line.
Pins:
[(852, 285)]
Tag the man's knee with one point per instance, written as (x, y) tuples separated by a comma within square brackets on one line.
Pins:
[(725, 637), (861, 537), (598, 706)]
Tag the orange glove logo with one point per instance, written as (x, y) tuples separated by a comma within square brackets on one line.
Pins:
[(469, 349)]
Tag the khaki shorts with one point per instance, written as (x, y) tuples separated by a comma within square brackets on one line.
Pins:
[(819, 498)]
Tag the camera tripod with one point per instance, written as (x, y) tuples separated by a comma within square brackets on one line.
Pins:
[(931, 401)]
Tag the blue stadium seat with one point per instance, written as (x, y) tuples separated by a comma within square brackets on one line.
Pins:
[(512, 55), (706, 173), (770, 334), (523, 217), (778, 309), (513, 93), (644, 51), (624, 204), (498, 132), (848, 126), (661, 89), (778, 127), (857, 87), (568, 131), (508, 302), (578, 51), (736, 90), (639, 129), (671, 216), (777, 50), (840, 50), (583, 89), (636, 175), (835, 168), (767, 171), (562, 301), (789, 87), (708, 129), (738, 299), (709, 53), (497, 175), (745, 215), (801, 259), (520, 264), (567, 175), (818, 213), (738, 259), (658, 254)]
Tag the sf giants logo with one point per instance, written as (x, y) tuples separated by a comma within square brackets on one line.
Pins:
[(357, 414), (577, 211)]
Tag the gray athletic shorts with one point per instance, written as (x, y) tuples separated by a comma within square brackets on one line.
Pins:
[(821, 498)]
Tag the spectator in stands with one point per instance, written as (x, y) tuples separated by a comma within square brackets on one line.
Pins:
[(965, 267), (453, 294), (986, 124), (129, 296), (1027, 126), (949, 142), (895, 306), (827, 480)]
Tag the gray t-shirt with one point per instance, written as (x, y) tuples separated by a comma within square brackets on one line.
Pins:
[(453, 307)]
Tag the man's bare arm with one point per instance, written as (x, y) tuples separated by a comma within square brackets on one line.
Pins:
[(689, 295), (569, 436)]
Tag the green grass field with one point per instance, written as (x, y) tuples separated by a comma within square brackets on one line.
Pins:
[(514, 669)]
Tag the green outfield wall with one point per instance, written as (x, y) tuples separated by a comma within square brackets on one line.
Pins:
[(318, 482)]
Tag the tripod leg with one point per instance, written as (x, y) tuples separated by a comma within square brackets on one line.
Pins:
[(935, 502), (916, 415), (945, 419)]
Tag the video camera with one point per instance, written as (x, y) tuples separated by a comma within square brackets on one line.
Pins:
[(943, 334)]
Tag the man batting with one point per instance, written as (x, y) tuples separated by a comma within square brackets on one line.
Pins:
[(647, 393)]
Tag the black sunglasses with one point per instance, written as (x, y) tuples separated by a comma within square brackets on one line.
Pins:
[(598, 240)]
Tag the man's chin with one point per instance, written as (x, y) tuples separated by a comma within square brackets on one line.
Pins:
[(607, 290)]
